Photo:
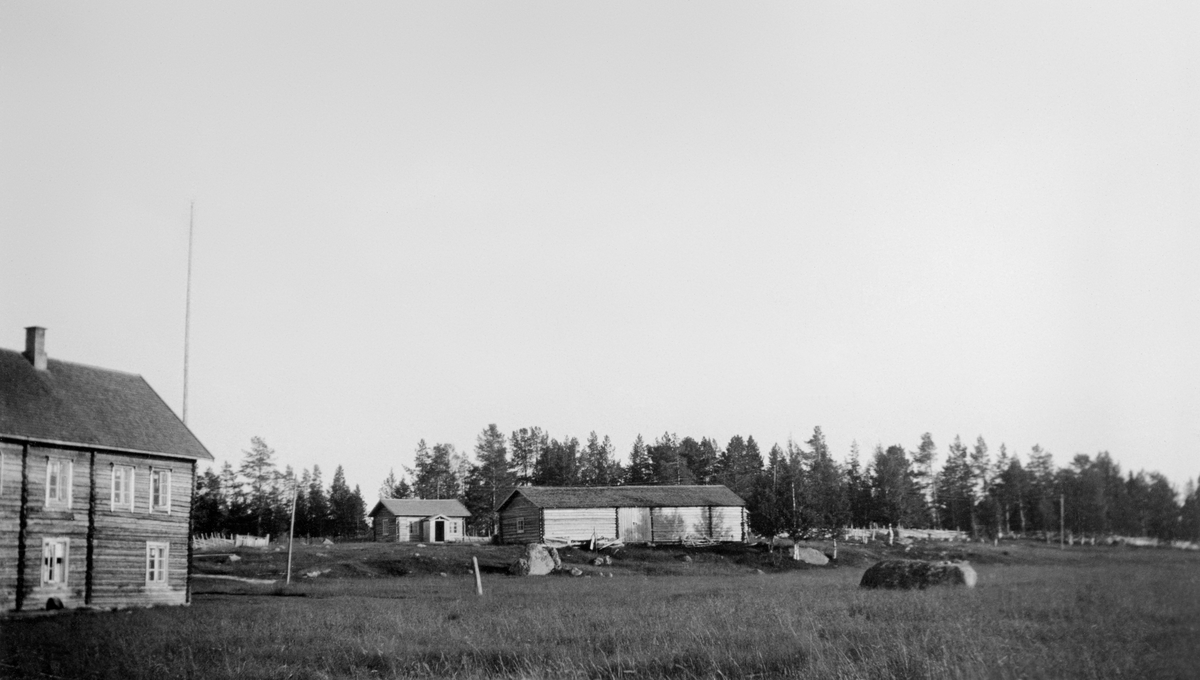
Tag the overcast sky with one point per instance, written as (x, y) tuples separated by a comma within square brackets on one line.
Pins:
[(413, 220)]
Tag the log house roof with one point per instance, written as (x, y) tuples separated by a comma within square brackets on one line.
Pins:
[(71, 403)]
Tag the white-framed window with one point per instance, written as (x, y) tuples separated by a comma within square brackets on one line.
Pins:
[(520, 525), (156, 563), (56, 554), (122, 487), (160, 490), (454, 527), (58, 482)]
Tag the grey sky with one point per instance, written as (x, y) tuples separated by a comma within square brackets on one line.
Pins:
[(711, 219)]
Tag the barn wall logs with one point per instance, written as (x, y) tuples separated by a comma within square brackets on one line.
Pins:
[(670, 525), (530, 514), (10, 520), (64, 517), (122, 533), (579, 524), (726, 523)]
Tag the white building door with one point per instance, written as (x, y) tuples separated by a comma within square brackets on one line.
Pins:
[(633, 525)]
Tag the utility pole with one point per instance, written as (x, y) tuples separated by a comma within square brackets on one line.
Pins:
[(292, 528)]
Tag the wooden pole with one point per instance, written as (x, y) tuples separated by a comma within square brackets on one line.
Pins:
[(478, 580), (292, 528), (187, 310)]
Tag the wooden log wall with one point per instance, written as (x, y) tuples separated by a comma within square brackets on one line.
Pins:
[(670, 525), (726, 524), (579, 524), (107, 546), (530, 513), (10, 521), (122, 534)]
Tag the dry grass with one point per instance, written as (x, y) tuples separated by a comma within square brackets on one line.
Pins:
[(1040, 613)]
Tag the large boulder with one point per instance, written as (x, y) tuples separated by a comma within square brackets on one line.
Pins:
[(537, 561), (907, 574), (809, 556)]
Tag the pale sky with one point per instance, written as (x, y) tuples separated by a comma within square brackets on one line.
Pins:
[(413, 220)]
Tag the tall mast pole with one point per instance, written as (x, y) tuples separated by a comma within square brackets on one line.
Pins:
[(187, 313)]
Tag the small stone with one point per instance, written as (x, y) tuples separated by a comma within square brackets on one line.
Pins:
[(420, 545), (576, 571), (758, 571), (598, 562), (235, 558), (443, 574), (687, 558), (608, 559), (312, 574)]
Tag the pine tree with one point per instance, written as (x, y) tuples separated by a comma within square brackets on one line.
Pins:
[(208, 504), (858, 488), (258, 468), (980, 471), (700, 457), (639, 471), (319, 516), (827, 503), (955, 490), (559, 463), (924, 461), (341, 506), (896, 499), (526, 445), (669, 466), (596, 465), (490, 480)]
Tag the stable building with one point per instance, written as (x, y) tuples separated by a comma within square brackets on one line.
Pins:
[(96, 481), (634, 514), (403, 520)]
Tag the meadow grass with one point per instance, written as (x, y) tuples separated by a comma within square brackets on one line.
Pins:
[(1101, 614)]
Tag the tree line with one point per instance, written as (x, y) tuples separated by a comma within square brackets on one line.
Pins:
[(801, 490), (256, 498)]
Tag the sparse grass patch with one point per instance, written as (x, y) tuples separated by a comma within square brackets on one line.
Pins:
[(1097, 614)]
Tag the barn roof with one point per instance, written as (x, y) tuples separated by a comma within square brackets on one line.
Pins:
[(72, 403), (414, 507), (626, 496)]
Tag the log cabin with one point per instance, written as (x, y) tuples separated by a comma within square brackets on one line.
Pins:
[(96, 482), (403, 520), (633, 514)]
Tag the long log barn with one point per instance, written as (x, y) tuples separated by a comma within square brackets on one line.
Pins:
[(96, 481), (634, 514)]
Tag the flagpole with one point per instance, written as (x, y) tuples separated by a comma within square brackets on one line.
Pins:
[(187, 310)]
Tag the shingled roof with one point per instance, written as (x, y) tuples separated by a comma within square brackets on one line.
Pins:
[(76, 404), (627, 496), (416, 507)]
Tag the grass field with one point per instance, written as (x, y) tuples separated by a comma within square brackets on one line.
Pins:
[(1037, 612)]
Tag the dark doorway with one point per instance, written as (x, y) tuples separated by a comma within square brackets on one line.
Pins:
[(439, 531)]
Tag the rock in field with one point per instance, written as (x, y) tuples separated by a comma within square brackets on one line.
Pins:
[(907, 574), (809, 556), (538, 561), (576, 571)]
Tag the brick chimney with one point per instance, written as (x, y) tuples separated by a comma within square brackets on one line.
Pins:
[(35, 346)]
